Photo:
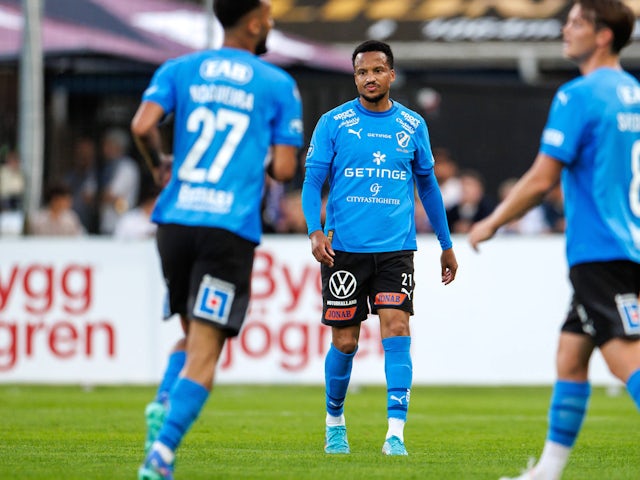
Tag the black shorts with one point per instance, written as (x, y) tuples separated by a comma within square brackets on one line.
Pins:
[(605, 301), (208, 274), (360, 283)]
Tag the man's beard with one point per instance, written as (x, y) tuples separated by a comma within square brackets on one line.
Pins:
[(261, 48), (374, 99)]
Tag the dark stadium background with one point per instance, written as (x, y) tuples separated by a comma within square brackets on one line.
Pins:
[(482, 79)]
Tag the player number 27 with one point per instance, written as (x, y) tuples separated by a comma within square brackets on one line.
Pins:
[(208, 123)]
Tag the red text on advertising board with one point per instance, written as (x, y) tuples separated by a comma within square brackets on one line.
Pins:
[(43, 310), (41, 285)]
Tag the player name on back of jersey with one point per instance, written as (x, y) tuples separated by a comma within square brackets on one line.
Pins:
[(204, 199), (628, 122), (223, 94), (629, 95)]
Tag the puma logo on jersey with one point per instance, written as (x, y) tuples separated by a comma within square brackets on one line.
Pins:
[(398, 399), (355, 132)]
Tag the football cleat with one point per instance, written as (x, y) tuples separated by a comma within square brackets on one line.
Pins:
[(154, 415), (155, 468), (394, 446), (336, 439), (529, 473)]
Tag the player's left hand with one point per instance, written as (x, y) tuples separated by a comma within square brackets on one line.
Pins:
[(449, 266)]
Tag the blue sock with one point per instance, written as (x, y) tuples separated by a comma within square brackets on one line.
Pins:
[(337, 373), (398, 370), (187, 399), (176, 362), (633, 387), (568, 409)]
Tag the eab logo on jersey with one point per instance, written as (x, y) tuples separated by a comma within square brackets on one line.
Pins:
[(629, 94), (629, 313), (214, 300), (234, 71)]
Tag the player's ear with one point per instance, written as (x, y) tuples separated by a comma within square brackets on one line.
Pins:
[(604, 37), (254, 24)]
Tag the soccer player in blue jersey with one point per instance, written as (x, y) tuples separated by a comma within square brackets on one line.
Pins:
[(373, 151), (235, 116), (591, 144)]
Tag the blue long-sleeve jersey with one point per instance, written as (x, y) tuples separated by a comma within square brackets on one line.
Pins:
[(230, 107), (594, 130), (373, 160)]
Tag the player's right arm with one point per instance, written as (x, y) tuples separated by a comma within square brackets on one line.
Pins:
[(316, 171), (311, 206), (528, 192), (157, 101), (145, 132)]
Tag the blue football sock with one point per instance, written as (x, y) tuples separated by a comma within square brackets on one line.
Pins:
[(633, 387), (568, 409), (187, 399), (398, 370), (337, 373), (174, 367)]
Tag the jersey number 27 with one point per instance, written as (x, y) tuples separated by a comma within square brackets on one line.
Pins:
[(209, 123)]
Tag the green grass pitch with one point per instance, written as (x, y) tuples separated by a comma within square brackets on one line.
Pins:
[(277, 432)]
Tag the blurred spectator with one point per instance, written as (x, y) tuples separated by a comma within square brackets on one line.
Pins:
[(533, 222), (473, 206), (136, 224), (291, 216), (446, 171), (119, 179), (83, 182), (553, 207), (12, 182), (57, 218)]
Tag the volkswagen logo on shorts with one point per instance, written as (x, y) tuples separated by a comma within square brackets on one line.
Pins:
[(342, 284)]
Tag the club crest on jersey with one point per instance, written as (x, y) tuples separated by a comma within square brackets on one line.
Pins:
[(403, 139), (237, 72), (214, 300), (629, 313)]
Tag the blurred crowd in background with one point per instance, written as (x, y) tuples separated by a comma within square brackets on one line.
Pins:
[(107, 192)]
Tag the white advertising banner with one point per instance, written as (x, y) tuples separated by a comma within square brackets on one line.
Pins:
[(90, 311)]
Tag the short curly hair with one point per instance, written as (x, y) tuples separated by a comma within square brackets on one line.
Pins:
[(373, 46), (229, 12)]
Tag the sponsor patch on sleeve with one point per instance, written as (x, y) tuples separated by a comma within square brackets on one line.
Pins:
[(553, 137), (214, 300)]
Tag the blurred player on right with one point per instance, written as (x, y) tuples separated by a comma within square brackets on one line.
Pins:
[(592, 144)]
